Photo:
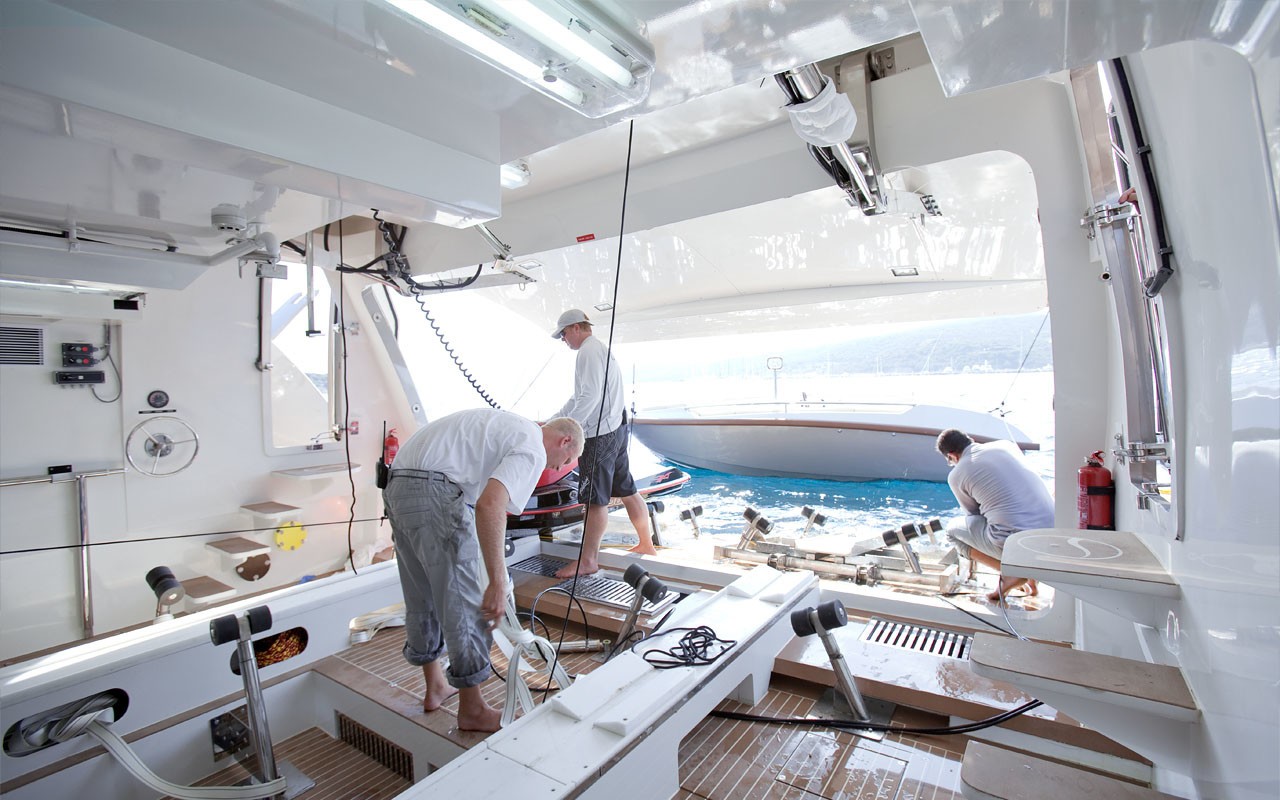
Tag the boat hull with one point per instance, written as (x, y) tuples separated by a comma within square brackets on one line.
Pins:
[(850, 447)]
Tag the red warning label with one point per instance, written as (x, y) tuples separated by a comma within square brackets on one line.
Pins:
[(586, 237)]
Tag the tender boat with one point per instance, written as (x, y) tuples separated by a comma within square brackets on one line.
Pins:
[(827, 441), (239, 238)]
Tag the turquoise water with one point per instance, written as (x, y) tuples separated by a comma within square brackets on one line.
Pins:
[(859, 509)]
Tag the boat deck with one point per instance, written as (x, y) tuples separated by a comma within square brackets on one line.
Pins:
[(720, 758)]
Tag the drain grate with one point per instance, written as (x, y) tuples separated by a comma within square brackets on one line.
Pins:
[(610, 592), (380, 749), (541, 565), (947, 644)]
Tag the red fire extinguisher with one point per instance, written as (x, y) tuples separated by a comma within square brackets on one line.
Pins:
[(1096, 495), (391, 446)]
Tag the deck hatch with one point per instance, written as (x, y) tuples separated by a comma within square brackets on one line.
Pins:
[(545, 566), (607, 591), (919, 638), (379, 748), (24, 346)]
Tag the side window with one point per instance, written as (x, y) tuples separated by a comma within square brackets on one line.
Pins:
[(297, 402)]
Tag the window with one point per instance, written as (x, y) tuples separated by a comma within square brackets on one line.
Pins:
[(299, 355)]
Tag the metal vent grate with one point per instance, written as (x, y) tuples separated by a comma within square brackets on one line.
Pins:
[(21, 346), (947, 644), (610, 592), (380, 749), (545, 566)]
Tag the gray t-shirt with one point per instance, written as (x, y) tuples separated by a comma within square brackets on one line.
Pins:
[(994, 480)]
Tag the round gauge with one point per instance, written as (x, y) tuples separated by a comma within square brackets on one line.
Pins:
[(158, 399)]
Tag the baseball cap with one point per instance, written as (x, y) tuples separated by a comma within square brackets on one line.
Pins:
[(570, 317)]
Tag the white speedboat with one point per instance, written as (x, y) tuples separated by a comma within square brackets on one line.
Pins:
[(221, 224), (827, 441)]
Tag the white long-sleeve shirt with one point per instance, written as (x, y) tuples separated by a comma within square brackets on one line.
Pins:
[(589, 390)]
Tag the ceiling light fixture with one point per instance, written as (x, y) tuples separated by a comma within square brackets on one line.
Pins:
[(514, 174), (905, 272), (573, 51)]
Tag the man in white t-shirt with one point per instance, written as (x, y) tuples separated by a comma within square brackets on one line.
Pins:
[(450, 489), (604, 470), (1002, 496)]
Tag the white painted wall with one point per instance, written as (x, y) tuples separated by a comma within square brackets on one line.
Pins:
[(199, 345)]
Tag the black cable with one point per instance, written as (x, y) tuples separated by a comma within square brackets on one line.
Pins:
[(110, 359), (171, 538), (849, 725), (448, 349), (694, 649), (346, 409), (1151, 286), (613, 315), (988, 623), (294, 247)]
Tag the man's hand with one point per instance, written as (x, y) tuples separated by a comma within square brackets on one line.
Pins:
[(494, 603)]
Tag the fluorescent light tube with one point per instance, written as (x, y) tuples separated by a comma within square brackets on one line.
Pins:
[(487, 47), (560, 36)]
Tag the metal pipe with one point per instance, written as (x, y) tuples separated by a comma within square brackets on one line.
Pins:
[(841, 668), (500, 250), (827, 567), (86, 590), (255, 705), (808, 81), (311, 287), (82, 515), (61, 245)]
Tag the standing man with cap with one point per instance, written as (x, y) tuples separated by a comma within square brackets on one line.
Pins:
[(606, 472), (450, 490)]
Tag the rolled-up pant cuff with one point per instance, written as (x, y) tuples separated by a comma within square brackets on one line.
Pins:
[(419, 659), (467, 681)]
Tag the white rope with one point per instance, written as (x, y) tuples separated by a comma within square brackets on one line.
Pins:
[(117, 747)]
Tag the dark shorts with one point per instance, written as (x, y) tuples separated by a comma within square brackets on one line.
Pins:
[(604, 471)]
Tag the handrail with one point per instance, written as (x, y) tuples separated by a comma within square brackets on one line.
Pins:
[(82, 509)]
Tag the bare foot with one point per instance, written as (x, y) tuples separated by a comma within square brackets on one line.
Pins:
[(1033, 588), (484, 719), (568, 570), (436, 696), (644, 550), (1007, 585)]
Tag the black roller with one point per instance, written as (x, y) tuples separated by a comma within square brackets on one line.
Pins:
[(819, 519), (657, 505), (654, 590), (934, 525), (687, 514), (259, 619), (806, 512), (763, 525), (831, 615), (801, 624), (750, 514), (167, 588), (509, 547), (697, 511), (224, 629), (633, 575)]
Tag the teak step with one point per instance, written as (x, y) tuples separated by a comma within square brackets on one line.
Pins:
[(993, 773), (1146, 707), (1154, 688)]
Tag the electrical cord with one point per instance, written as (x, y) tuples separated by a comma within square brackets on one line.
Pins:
[(613, 314), (110, 359), (346, 409), (851, 725), (694, 649), (986, 622)]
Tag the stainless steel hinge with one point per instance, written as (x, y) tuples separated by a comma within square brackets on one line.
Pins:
[(1105, 214), (1138, 452)]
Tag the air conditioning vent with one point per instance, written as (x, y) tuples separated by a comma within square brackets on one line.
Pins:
[(22, 346)]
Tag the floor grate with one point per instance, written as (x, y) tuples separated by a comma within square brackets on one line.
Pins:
[(541, 565), (611, 592), (947, 644), (379, 748)]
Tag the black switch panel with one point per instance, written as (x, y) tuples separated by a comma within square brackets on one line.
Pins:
[(79, 378)]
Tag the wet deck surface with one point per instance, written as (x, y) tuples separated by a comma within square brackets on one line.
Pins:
[(725, 758)]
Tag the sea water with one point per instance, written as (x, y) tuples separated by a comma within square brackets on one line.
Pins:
[(859, 509)]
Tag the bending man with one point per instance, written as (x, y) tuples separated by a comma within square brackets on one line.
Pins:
[(604, 468), (451, 486), (1001, 495)]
